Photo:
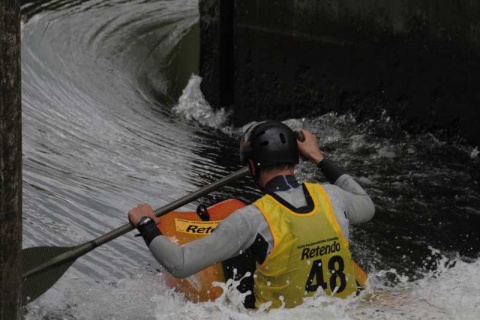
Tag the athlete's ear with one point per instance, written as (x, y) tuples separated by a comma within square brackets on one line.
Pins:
[(251, 167)]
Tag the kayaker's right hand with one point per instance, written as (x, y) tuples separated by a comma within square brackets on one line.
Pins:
[(142, 210), (309, 148)]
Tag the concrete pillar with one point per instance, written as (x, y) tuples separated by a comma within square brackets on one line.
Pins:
[(418, 59), (10, 161), (216, 51)]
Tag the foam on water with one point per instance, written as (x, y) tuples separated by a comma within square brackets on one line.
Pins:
[(450, 292), (474, 153), (193, 106)]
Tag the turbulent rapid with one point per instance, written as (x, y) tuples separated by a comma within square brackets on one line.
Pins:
[(113, 116)]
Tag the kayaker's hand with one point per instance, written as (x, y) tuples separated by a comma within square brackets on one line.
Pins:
[(309, 148), (139, 211)]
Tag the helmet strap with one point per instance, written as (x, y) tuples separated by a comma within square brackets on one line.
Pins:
[(255, 173)]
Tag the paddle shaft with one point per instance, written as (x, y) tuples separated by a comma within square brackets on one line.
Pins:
[(90, 245)]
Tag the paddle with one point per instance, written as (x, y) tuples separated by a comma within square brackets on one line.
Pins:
[(43, 266)]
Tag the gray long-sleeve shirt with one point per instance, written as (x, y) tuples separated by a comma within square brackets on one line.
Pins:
[(350, 202)]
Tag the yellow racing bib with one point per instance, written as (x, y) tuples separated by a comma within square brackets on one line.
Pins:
[(309, 253)]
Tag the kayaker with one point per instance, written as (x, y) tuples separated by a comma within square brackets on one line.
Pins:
[(297, 233)]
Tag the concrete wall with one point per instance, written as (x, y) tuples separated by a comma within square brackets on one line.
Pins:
[(217, 51), (417, 58)]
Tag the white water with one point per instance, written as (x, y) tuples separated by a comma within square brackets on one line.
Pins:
[(447, 293), (193, 106), (97, 142)]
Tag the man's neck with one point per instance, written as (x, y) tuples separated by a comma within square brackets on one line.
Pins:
[(268, 175), (281, 183)]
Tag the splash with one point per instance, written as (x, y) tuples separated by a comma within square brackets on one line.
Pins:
[(127, 298), (448, 292), (474, 153), (230, 306), (193, 106), (445, 293)]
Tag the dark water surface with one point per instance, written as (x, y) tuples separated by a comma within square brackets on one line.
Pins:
[(104, 129)]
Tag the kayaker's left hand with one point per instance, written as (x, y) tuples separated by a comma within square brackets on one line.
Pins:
[(139, 211)]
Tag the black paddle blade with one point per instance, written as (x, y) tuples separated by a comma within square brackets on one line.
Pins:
[(38, 283)]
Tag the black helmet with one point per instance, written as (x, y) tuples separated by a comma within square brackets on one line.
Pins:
[(268, 144)]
